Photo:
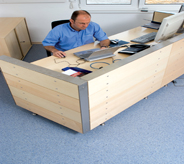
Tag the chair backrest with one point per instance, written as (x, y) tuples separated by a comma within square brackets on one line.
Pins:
[(58, 22), (54, 24)]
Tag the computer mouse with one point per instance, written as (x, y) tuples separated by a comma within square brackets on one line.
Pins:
[(114, 41)]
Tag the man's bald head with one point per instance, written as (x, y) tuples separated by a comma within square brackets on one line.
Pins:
[(79, 12)]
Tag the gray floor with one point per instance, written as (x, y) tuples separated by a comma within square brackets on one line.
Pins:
[(149, 132)]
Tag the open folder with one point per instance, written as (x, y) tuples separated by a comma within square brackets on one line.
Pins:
[(97, 54)]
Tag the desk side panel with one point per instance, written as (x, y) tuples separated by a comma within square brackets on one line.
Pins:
[(4, 48), (175, 66), (40, 79), (60, 119), (50, 97), (42, 92), (126, 85)]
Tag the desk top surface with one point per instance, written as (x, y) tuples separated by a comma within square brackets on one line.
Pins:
[(57, 64)]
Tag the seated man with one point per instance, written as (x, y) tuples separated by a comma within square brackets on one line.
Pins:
[(78, 32)]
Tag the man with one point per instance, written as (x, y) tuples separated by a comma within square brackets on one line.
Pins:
[(78, 32)]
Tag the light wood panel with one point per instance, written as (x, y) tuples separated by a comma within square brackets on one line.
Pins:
[(32, 87), (41, 79), (131, 68), (23, 37), (4, 48), (9, 46), (127, 81), (73, 115), (114, 105), (120, 88), (14, 37), (49, 114), (8, 24), (42, 92), (175, 67), (12, 46)]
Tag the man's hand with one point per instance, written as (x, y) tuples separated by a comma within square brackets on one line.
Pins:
[(103, 48), (104, 43), (55, 52), (59, 54)]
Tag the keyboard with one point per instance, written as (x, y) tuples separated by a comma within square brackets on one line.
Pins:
[(145, 38), (86, 55)]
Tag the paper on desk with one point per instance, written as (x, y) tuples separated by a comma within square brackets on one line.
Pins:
[(69, 72), (96, 42)]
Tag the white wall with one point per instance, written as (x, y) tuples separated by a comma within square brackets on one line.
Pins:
[(40, 15)]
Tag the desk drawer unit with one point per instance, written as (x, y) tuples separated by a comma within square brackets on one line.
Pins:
[(14, 37)]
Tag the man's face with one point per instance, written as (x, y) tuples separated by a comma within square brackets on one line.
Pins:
[(81, 22)]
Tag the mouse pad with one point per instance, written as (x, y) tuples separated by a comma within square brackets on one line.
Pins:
[(121, 42)]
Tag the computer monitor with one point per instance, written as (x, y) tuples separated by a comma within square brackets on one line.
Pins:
[(169, 26), (181, 8)]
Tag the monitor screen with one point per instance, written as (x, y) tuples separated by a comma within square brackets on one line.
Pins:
[(169, 26), (158, 16)]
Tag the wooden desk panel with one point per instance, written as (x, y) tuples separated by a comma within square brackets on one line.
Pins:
[(49, 114), (129, 83), (46, 93), (42, 92), (175, 67), (91, 100)]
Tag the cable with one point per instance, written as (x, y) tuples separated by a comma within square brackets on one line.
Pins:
[(83, 61), (97, 63), (115, 60), (69, 64)]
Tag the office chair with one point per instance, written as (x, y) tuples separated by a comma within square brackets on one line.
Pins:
[(54, 24)]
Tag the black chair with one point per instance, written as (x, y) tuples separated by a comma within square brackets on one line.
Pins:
[(54, 24)]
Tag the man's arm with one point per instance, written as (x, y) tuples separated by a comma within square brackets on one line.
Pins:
[(55, 52), (104, 43)]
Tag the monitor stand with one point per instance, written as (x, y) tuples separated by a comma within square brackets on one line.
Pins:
[(181, 30)]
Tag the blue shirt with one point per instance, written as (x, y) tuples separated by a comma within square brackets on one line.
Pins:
[(64, 38)]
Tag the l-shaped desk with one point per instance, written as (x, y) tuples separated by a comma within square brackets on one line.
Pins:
[(83, 103)]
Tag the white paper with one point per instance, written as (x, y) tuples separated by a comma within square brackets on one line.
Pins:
[(69, 72)]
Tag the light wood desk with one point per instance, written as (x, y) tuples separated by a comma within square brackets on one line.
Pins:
[(84, 103)]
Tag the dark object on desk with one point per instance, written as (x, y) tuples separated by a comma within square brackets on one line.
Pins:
[(145, 38), (54, 24), (134, 48), (152, 25), (117, 42)]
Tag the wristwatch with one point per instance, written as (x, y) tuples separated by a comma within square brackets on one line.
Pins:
[(104, 46)]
